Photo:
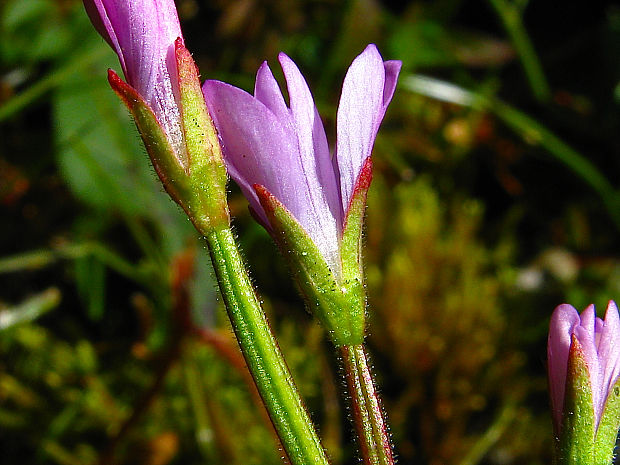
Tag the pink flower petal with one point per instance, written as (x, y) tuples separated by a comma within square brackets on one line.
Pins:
[(367, 90), (313, 148), (267, 91), (609, 352), (563, 321), (285, 148), (143, 32), (260, 149)]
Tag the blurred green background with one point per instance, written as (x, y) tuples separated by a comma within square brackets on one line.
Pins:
[(495, 198)]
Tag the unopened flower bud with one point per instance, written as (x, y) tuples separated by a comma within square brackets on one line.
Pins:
[(584, 367)]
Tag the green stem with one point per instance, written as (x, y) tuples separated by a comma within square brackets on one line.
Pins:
[(262, 354), (370, 426), (513, 23)]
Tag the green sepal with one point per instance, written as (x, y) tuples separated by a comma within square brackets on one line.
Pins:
[(351, 243), (164, 160), (206, 169), (575, 446), (338, 305), (200, 186), (608, 426)]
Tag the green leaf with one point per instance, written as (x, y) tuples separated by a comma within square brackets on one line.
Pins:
[(421, 43), (99, 152), (33, 30)]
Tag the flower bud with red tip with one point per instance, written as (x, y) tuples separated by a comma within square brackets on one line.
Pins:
[(584, 368), (163, 94)]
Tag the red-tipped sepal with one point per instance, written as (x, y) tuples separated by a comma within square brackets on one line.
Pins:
[(351, 242), (338, 306), (205, 165), (575, 441), (351, 245), (195, 179), (161, 153)]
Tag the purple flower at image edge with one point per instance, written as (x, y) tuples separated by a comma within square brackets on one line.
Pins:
[(143, 35), (599, 342), (285, 150)]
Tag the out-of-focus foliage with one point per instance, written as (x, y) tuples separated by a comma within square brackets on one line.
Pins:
[(434, 293), (495, 198)]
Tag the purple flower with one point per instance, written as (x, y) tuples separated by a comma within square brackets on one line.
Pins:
[(596, 341), (143, 34), (285, 150)]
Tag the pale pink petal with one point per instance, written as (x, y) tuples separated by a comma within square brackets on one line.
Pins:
[(609, 351), (313, 148), (143, 32), (267, 91), (367, 90), (300, 173), (563, 321), (259, 149), (392, 70), (600, 344)]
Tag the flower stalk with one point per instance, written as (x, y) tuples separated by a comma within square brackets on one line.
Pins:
[(262, 354), (370, 426)]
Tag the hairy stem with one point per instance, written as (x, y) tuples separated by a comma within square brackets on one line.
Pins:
[(370, 425), (262, 354)]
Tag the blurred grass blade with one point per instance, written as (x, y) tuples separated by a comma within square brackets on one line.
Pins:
[(28, 261), (529, 129), (37, 259), (30, 309), (512, 18), (53, 79), (91, 283), (441, 90), (58, 454), (195, 391), (491, 436)]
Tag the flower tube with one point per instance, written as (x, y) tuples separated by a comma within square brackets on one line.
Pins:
[(310, 201), (584, 367)]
